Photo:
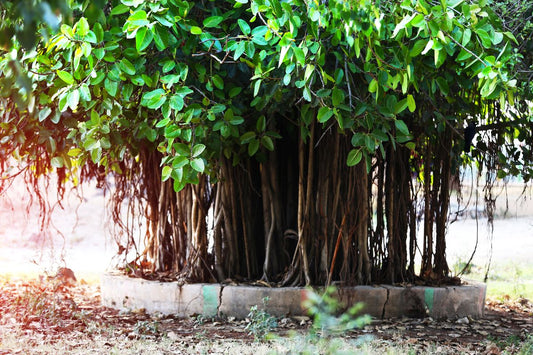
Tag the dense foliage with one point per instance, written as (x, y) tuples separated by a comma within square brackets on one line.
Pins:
[(311, 130)]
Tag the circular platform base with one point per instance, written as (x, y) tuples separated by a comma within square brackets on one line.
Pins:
[(381, 301)]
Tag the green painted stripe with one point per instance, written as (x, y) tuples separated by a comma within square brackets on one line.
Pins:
[(428, 298), (210, 293)]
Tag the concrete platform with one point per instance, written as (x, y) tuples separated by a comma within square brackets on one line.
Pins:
[(451, 302)]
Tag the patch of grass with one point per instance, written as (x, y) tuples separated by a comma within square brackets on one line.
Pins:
[(514, 344), (514, 280), (502, 289), (526, 347)]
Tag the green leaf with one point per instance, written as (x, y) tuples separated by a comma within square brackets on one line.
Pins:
[(180, 161), (197, 150), (276, 6), (401, 127), (403, 23), (119, 9), (57, 162), (440, 57), (411, 145), (373, 86), (267, 143), (261, 124), (127, 90), (443, 85), (66, 77), (176, 102), (73, 99), (257, 86), (498, 38), (154, 99), (168, 66), (239, 50), (99, 53), (249, 49), (195, 30), (354, 157), (486, 40), (463, 55), (244, 26), (179, 184), (323, 92), (82, 27), (163, 123), (173, 131), (253, 147), (299, 54), (138, 18), (127, 67), (45, 112), (307, 94), (282, 54), (219, 83), (236, 120), (338, 97), (467, 34), (400, 106), (235, 91), (429, 45), (247, 137), (218, 108), (411, 103), (166, 172), (511, 37), (198, 165), (324, 114), (165, 20), (111, 87), (418, 47), (418, 21), (74, 152), (489, 87), (370, 143), (143, 38), (213, 21)]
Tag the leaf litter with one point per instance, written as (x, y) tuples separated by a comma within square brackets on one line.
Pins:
[(47, 315)]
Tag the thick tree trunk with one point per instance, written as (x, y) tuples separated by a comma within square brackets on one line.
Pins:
[(300, 215)]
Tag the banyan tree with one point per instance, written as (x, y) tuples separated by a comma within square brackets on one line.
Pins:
[(293, 142)]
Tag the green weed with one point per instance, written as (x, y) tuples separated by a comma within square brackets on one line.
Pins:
[(324, 310), (328, 327), (261, 322)]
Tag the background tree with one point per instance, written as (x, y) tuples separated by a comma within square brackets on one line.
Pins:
[(314, 133)]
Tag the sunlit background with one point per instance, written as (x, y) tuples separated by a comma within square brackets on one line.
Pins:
[(77, 236)]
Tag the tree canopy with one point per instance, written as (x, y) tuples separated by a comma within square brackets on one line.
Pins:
[(311, 130)]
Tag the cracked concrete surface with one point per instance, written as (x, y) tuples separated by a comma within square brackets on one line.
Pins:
[(385, 304)]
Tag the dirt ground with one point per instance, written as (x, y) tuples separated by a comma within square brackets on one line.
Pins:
[(46, 316)]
